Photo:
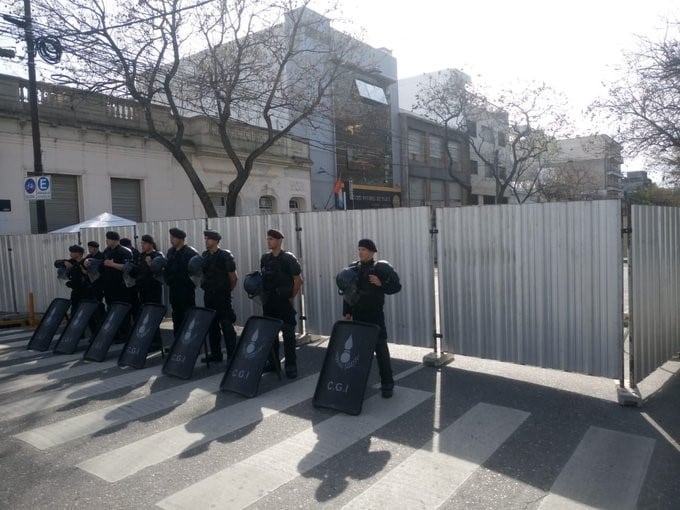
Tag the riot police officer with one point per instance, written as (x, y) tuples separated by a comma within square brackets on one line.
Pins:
[(218, 280), (115, 256), (133, 288), (375, 280), (281, 282), (182, 289), (149, 287), (78, 282)]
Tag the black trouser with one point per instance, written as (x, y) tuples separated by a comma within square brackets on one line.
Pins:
[(181, 299), (283, 310), (224, 319), (382, 352)]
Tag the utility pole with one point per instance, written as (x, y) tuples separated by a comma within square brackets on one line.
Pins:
[(27, 25)]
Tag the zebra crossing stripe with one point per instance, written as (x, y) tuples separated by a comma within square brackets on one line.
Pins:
[(244, 483), (83, 425), (445, 462), (16, 337), (23, 353), (55, 398), (127, 460), (46, 362), (6, 332), (606, 470), (74, 370)]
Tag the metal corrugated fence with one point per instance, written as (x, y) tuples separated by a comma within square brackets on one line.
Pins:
[(539, 284), (33, 259), (655, 293), (329, 243), (8, 301)]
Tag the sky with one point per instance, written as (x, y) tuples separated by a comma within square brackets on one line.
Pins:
[(572, 46)]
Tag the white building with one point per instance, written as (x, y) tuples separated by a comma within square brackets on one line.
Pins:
[(591, 165), (101, 160)]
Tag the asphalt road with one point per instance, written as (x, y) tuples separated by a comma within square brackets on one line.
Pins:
[(474, 434)]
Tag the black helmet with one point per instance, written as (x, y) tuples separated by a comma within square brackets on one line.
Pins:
[(158, 264), (252, 284), (60, 264), (347, 280), (195, 265)]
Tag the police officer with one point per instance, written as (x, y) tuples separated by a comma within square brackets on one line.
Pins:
[(218, 280), (375, 280), (78, 282), (182, 289), (115, 257), (281, 282), (149, 288), (94, 253), (133, 291)]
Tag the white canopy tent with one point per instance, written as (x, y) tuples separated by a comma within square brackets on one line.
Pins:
[(101, 220)]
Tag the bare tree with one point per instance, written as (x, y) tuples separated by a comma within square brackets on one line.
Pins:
[(133, 53), (265, 66), (445, 98), (569, 181), (644, 104), (517, 129), (269, 65)]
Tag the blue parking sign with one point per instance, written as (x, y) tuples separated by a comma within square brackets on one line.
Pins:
[(43, 183)]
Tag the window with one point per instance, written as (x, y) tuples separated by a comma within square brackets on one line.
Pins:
[(501, 139), (266, 204), (62, 210), (474, 167), (296, 204), (436, 147), (220, 203), (126, 199), (487, 135), (416, 141), (417, 191), (488, 170), (502, 173), (437, 193), (371, 92), (454, 154), (472, 128)]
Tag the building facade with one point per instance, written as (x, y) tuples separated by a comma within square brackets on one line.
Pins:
[(101, 160), (436, 164), (590, 166), (354, 137)]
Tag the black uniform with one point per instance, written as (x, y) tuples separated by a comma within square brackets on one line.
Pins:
[(217, 286), (79, 283), (277, 284), (182, 289), (369, 308), (98, 292), (114, 286), (112, 279), (150, 289), (133, 292)]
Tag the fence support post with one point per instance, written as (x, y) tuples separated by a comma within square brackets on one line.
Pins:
[(628, 395), (436, 358)]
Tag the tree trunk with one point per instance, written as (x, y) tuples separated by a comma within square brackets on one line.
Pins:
[(195, 181), (235, 188)]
